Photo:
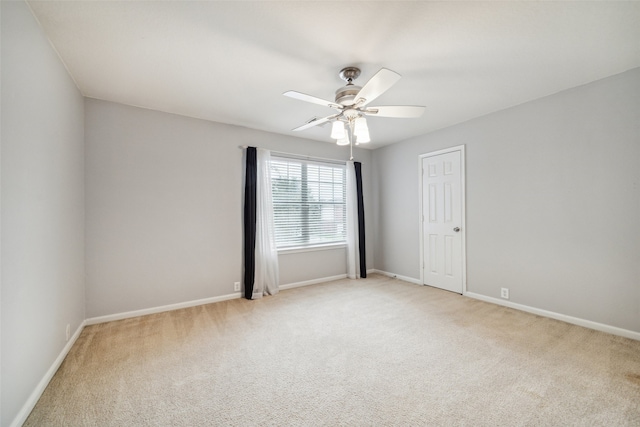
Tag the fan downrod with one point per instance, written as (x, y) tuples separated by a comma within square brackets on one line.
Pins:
[(349, 74)]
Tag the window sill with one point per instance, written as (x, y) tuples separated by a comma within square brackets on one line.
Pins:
[(311, 248)]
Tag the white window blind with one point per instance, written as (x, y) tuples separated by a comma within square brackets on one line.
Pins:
[(309, 202)]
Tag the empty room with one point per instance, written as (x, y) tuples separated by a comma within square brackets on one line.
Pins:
[(319, 213)]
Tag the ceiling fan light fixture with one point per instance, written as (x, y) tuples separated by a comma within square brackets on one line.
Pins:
[(351, 102), (337, 130)]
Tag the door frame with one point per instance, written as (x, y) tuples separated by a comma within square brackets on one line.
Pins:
[(421, 157)]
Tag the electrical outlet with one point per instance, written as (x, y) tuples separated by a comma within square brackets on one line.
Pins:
[(236, 286), (68, 331), (504, 293)]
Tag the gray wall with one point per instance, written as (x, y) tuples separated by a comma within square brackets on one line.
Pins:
[(553, 202), (42, 207), (164, 208)]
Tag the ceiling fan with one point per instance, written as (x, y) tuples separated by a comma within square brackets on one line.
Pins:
[(351, 102)]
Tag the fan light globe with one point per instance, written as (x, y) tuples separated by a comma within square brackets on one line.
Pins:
[(362, 139), (360, 126), (361, 130), (343, 141), (337, 130)]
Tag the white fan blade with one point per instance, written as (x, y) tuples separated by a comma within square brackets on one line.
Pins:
[(376, 86), (308, 98), (398, 111), (315, 122)]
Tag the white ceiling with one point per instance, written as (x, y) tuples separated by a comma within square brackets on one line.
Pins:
[(230, 61)]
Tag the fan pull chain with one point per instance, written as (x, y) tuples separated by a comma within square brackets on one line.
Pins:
[(351, 126)]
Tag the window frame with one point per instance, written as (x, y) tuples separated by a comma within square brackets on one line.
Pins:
[(296, 247)]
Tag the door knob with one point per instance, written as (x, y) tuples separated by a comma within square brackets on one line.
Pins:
[(456, 229)]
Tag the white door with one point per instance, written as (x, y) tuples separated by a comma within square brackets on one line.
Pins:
[(442, 220)]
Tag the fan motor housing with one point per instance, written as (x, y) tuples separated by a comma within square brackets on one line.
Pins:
[(346, 94)]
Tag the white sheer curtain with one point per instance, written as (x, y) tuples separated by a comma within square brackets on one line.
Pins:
[(267, 272), (353, 266)]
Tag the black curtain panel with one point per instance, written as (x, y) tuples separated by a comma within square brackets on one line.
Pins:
[(361, 246), (250, 221)]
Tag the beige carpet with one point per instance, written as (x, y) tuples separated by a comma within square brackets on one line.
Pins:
[(374, 352)]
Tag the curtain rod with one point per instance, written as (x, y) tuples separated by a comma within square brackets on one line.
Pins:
[(300, 156)]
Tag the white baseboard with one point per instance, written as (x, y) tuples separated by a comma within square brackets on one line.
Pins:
[(550, 314), (26, 409), (311, 282), (160, 309), (194, 303), (397, 276), (557, 316)]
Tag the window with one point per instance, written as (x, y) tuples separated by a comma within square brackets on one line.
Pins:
[(308, 202)]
